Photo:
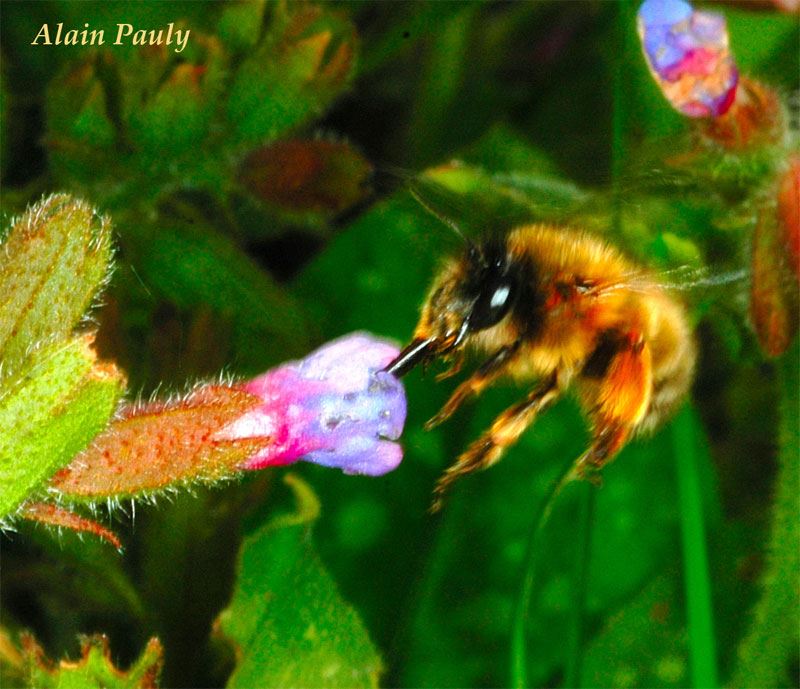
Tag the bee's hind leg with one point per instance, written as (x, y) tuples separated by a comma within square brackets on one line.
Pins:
[(607, 442), (489, 371), (488, 449), (619, 403)]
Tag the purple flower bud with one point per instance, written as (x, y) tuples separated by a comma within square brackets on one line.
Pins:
[(336, 407), (688, 55)]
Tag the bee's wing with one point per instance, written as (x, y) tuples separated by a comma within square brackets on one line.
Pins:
[(692, 284), (475, 202)]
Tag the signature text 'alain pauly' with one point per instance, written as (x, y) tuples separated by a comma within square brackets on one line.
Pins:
[(124, 34)]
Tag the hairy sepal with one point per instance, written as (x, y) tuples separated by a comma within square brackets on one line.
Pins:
[(156, 446)]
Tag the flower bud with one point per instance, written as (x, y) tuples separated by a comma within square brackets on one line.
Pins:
[(688, 55), (775, 288), (789, 212)]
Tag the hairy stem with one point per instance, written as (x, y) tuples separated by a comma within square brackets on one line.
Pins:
[(772, 640)]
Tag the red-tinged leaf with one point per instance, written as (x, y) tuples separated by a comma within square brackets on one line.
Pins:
[(329, 55), (297, 176), (94, 669), (789, 212), (335, 407), (53, 515), (159, 444), (171, 102), (774, 296)]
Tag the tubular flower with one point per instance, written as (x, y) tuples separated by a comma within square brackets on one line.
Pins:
[(688, 55), (335, 408)]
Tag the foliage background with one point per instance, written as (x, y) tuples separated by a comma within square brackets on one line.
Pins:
[(551, 105)]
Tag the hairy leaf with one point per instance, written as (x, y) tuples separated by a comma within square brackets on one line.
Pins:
[(51, 265), (49, 412)]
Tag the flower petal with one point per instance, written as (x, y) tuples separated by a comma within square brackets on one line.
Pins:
[(336, 407)]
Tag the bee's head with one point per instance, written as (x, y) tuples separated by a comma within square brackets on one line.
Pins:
[(472, 293)]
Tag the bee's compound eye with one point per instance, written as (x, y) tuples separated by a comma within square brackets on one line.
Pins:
[(492, 305)]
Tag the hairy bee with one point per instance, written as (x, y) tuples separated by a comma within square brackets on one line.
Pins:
[(558, 307)]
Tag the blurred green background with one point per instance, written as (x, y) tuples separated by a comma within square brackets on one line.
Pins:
[(252, 181)]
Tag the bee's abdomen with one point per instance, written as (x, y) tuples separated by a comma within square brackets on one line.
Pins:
[(674, 354)]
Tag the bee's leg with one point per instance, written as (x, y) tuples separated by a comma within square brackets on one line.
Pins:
[(505, 430), (489, 371), (621, 401), (606, 443), (455, 367)]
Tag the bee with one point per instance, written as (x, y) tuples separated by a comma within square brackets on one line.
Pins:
[(560, 309)]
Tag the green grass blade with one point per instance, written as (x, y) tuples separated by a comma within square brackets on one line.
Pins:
[(702, 642)]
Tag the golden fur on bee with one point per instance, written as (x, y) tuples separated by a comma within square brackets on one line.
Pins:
[(562, 308)]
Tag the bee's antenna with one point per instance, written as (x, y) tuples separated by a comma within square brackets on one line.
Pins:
[(436, 214)]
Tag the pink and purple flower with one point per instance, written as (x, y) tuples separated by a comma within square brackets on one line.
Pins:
[(688, 55), (336, 407)]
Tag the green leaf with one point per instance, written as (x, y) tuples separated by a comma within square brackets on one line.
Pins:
[(52, 263), (80, 132), (761, 42), (289, 624), (643, 644), (305, 61), (95, 669), (194, 267), (447, 55), (49, 412)]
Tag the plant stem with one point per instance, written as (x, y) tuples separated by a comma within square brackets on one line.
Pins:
[(766, 651), (519, 624), (700, 622), (618, 114), (572, 674)]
